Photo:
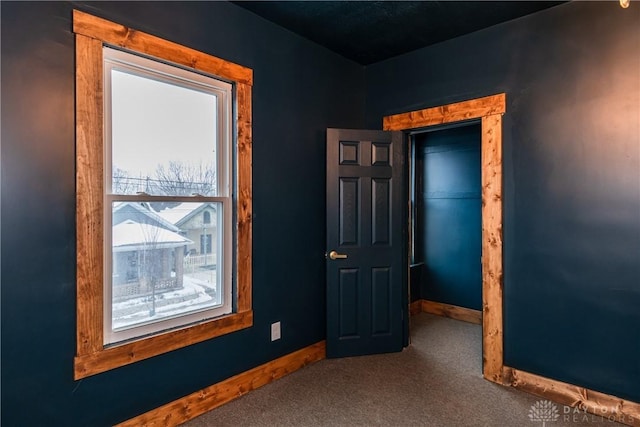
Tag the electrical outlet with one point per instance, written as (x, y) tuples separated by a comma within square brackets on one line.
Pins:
[(275, 331)]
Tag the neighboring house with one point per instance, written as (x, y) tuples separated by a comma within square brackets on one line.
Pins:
[(198, 222), (148, 252), (141, 213)]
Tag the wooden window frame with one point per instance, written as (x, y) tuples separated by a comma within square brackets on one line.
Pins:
[(91, 34)]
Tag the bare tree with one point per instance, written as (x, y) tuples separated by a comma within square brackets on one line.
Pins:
[(151, 262), (184, 179), (121, 182)]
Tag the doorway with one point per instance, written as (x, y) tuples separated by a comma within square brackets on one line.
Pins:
[(446, 220), (489, 111)]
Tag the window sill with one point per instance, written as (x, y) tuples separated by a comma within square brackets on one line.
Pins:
[(131, 352)]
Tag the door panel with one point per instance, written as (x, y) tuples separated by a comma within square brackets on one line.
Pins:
[(365, 223), (381, 301), (349, 211), (381, 212), (349, 284)]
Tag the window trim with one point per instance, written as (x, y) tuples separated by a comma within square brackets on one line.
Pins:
[(91, 34)]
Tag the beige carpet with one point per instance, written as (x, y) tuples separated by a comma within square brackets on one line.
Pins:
[(436, 381)]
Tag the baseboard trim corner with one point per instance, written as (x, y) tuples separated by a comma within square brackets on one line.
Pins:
[(451, 311), (415, 307), (188, 407)]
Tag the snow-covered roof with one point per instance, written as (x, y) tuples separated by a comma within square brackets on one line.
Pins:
[(179, 213), (130, 235), (148, 212)]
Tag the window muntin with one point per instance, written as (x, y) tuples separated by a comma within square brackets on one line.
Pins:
[(166, 141)]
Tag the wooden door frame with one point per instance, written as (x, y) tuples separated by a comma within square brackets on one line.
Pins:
[(489, 110)]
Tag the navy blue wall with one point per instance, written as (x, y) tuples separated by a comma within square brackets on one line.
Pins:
[(300, 89), (571, 178), (448, 221), (572, 193)]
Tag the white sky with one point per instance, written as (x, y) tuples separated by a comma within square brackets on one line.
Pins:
[(154, 122)]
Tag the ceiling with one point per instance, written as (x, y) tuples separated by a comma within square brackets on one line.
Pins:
[(372, 31)]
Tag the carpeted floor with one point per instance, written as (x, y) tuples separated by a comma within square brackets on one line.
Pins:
[(437, 381)]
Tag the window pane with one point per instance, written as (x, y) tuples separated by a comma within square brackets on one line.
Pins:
[(163, 137), (167, 261)]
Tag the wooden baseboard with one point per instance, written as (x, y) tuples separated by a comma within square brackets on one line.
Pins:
[(448, 310), (415, 307), (182, 410), (603, 406)]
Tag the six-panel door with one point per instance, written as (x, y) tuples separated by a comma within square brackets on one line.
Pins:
[(364, 229)]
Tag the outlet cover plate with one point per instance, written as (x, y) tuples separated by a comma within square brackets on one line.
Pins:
[(275, 331)]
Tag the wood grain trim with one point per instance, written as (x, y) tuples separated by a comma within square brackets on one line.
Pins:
[(415, 307), (244, 208), (452, 311), (128, 38), (593, 402), (492, 336), (489, 109), (113, 357), (456, 112), (89, 194), (189, 407)]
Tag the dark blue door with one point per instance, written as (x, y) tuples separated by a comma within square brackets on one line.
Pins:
[(448, 218), (366, 256)]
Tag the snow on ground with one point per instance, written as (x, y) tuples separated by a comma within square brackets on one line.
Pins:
[(191, 297)]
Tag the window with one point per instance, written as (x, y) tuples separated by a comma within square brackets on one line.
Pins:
[(168, 142), (162, 132)]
